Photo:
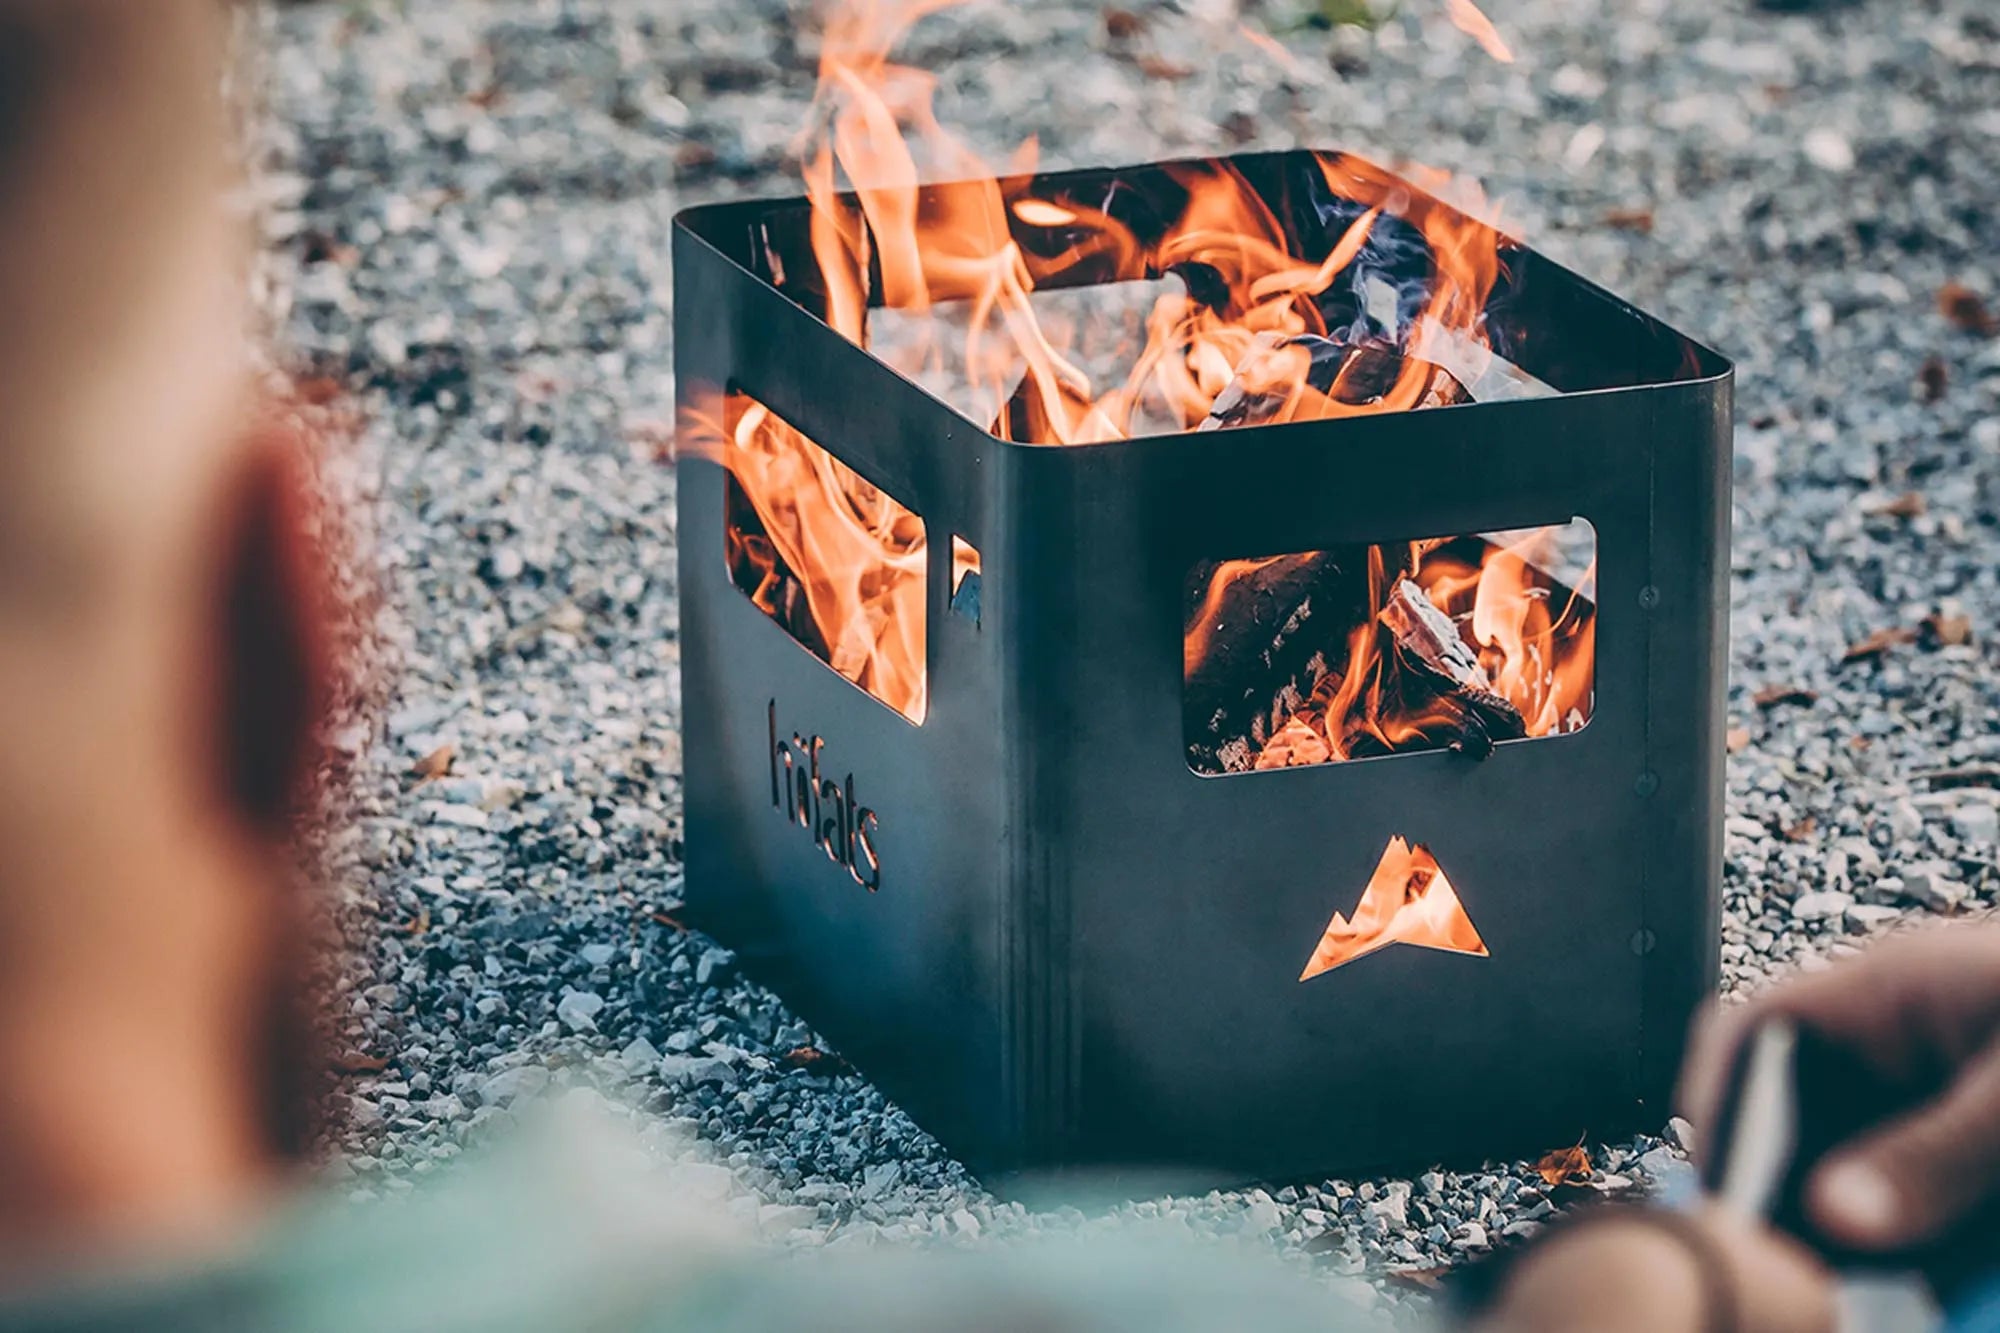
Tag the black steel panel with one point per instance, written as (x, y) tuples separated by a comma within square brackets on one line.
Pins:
[(1082, 954)]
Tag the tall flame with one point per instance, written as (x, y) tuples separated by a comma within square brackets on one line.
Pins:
[(1247, 340)]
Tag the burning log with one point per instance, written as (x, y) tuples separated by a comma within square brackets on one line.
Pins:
[(1426, 638), (1273, 380), (1257, 644)]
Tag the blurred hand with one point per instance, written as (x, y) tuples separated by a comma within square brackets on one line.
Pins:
[(1621, 1273), (1918, 1021)]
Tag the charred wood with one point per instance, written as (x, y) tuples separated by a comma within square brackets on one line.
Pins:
[(1259, 644), (1427, 640)]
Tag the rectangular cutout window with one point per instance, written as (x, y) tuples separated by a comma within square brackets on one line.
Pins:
[(838, 563), (1453, 643)]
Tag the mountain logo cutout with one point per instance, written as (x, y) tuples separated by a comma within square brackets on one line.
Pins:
[(1408, 901)]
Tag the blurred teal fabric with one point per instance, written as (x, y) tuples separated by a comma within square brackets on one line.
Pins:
[(566, 1238), (1980, 1314)]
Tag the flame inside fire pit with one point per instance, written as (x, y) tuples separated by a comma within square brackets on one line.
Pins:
[(1326, 656), (1344, 291), (828, 556)]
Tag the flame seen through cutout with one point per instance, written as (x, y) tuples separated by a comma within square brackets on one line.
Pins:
[(1325, 656), (835, 561), (1408, 901)]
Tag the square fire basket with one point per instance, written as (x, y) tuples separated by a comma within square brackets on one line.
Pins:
[(1043, 894)]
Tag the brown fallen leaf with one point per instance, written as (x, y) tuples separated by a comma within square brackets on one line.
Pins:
[(1802, 830), (814, 1060), (1947, 629), (1630, 219), (1737, 738), (1564, 1166), (1910, 504), (1773, 695), (1417, 1279), (1121, 25), (1878, 643), (1159, 67), (1933, 378), (1966, 309), (433, 765), (668, 919), (317, 390), (316, 247), (357, 1064), (694, 155)]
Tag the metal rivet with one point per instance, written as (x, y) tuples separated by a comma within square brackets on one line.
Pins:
[(1647, 783), (1644, 942), (1649, 597)]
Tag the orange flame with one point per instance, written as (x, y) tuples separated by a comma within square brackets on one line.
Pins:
[(1408, 901), (1530, 644), (830, 557), (1240, 349)]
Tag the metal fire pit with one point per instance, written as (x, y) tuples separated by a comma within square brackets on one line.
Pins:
[(1030, 920)]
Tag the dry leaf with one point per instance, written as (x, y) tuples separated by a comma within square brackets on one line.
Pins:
[(316, 390), (1881, 641), (1564, 1166), (1947, 630), (667, 919), (814, 1060), (1630, 219), (1802, 830), (316, 247), (1159, 67), (1465, 16), (1910, 504), (1417, 1279), (1966, 309), (1737, 738), (434, 765), (1773, 695), (693, 155), (1122, 24), (1933, 378)]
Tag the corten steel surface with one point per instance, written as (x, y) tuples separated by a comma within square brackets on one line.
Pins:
[(1083, 955)]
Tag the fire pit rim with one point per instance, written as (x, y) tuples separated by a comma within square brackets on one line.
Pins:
[(702, 223)]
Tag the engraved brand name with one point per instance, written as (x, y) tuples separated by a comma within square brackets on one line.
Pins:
[(823, 807)]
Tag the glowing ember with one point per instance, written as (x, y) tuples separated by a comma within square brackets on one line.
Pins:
[(1327, 656), (1408, 901)]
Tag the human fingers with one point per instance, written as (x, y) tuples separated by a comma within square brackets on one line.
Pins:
[(1912, 1181)]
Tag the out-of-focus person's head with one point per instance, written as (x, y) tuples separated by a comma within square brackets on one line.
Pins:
[(155, 669)]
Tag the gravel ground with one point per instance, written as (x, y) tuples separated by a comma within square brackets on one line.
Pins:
[(468, 205)]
